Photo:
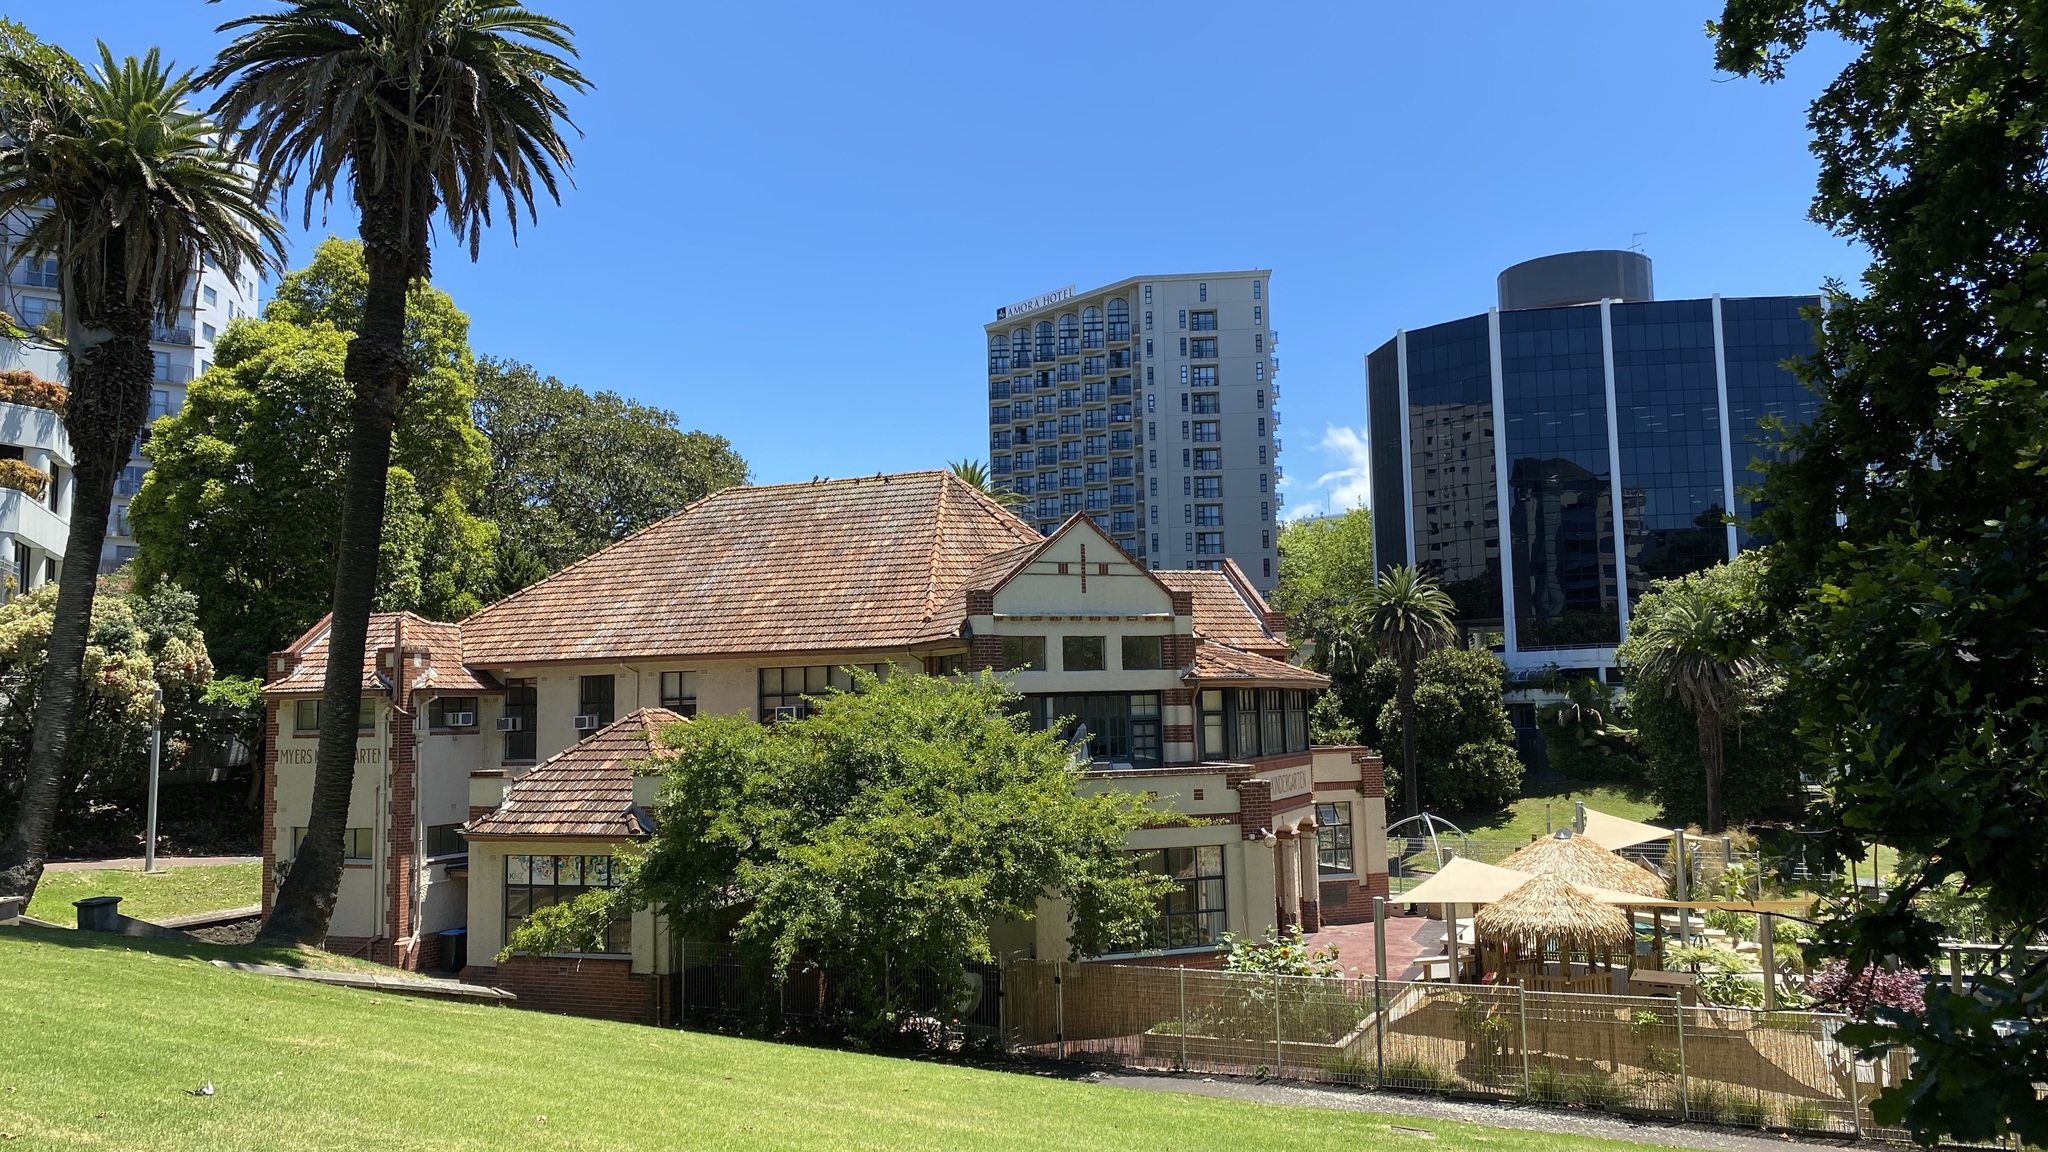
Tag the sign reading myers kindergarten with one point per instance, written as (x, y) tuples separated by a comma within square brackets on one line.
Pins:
[(1289, 782), (1042, 300)]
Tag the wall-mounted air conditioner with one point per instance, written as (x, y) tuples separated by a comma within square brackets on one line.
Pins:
[(788, 712), (462, 719), (511, 723), (587, 722)]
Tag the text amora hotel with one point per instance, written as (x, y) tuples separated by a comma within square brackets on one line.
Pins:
[(500, 768)]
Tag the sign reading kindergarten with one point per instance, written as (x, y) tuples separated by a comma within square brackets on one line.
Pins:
[(1042, 300)]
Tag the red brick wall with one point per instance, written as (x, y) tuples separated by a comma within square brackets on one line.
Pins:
[(1173, 696), (1372, 773), (984, 652), (606, 989), (1183, 603), (1254, 804), (1178, 651), (981, 603)]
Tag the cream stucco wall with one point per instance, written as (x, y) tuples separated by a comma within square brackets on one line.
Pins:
[(486, 893), (357, 909)]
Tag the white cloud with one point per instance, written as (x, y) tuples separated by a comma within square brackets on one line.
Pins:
[(1339, 489)]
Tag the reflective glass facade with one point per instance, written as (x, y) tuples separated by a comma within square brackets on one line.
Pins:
[(1668, 408), (1758, 336), (1610, 472)]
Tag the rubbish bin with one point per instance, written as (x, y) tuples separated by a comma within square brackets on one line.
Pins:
[(99, 913), (454, 949)]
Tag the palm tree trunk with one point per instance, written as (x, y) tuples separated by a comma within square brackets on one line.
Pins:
[(1411, 780), (1710, 761), (109, 402), (377, 370)]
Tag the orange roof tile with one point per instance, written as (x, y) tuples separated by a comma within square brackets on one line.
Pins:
[(1220, 662), (441, 641), (584, 790), (874, 562), (1228, 609)]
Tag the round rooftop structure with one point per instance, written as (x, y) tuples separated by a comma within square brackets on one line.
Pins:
[(1576, 278)]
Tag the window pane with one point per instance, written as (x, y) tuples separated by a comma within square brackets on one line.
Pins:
[(1023, 653), (569, 870), (543, 869), (1143, 652), (1081, 653), (306, 716), (518, 869)]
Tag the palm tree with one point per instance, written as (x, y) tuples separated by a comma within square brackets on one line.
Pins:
[(975, 473), (129, 189), (419, 109), (1406, 616), (1699, 655)]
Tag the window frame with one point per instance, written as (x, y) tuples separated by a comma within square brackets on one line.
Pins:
[(683, 701), (1092, 650), (618, 939), (1336, 855), (522, 700)]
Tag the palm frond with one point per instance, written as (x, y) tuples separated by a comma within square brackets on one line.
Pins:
[(1405, 615)]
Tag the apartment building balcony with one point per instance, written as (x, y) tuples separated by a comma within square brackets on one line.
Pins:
[(1120, 388), (163, 334), (999, 390), (28, 519)]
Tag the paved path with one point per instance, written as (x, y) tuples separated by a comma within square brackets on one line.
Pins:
[(134, 863), (1663, 1133), (1407, 938)]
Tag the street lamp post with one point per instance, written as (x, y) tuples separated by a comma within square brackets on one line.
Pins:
[(156, 752)]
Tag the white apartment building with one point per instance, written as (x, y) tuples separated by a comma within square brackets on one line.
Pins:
[(1147, 404), (36, 492), (183, 348)]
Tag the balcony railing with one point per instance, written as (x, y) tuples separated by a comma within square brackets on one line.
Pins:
[(1202, 322), (1000, 390), (1120, 332), (1119, 388), (165, 335)]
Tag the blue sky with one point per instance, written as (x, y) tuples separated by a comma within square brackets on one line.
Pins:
[(790, 221)]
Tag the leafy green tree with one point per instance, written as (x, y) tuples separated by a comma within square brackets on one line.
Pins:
[(1583, 734), (573, 471), (1325, 571), (129, 189), (1405, 616), (1699, 640), (1910, 518), (139, 643), (883, 833), (248, 479), (1465, 744)]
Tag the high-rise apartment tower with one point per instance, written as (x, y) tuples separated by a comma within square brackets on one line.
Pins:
[(1149, 405)]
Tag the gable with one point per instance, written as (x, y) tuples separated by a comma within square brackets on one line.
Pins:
[(1080, 572)]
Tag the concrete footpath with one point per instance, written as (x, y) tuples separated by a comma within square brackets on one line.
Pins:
[(1662, 1133), (134, 863)]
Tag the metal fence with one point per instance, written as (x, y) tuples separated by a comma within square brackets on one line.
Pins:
[(1638, 1055), (717, 987)]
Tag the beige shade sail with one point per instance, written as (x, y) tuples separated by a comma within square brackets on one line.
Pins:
[(1547, 910), (1577, 860), (1614, 833), (1463, 881)]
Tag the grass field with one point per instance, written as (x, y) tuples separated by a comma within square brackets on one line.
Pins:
[(1525, 817), (148, 896), (105, 1037)]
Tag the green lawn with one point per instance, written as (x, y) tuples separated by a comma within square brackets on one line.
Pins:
[(147, 896), (104, 1036), (1525, 817)]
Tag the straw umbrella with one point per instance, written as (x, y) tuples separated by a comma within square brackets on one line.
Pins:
[(1580, 861), (1549, 910)]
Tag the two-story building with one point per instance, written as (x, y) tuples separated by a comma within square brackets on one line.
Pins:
[(500, 766)]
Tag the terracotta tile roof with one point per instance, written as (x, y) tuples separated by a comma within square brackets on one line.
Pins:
[(1228, 609), (584, 790), (875, 562), (442, 642), (1220, 662)]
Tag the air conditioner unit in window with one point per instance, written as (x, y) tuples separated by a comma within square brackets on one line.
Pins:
[(511, 723), (462, 719), (788, 712), (587, 722)]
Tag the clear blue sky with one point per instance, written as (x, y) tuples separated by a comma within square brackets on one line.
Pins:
[(791, 221)]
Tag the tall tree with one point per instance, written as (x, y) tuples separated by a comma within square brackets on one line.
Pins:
[(1464, 742), (1912, 517), (248, 478), (1325, 570), (130, 189), (573, 471), (1688, 646), (423, 109), (1405, 616), (976, 473)]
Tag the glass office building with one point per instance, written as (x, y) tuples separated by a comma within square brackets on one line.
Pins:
[(1547, 464)]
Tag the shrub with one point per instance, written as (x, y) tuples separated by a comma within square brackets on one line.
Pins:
[(23, 477), (1835, 987), (1285, 955), (1709, 1102), (1750, 1113), (19, 386), (1807, 1116), (1419, 1074)]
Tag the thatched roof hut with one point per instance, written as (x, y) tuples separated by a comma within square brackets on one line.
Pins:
[(1547, 910), (1580, 861)]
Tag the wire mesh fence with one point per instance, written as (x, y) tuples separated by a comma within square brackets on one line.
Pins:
[(717, 987), (1625, 1054)]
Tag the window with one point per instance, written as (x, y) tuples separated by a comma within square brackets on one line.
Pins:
[(1245, 722), (1183, 429), (1183, 345), (1258, 313), (1081, 654), (1091, 327), (1043, 337), (522, 708), (1208, 543), (1070, 335), (1333, 838), (1192, 915), (159, 403), (1143, 652), (1202, 322), (1209, 515), (949, 664), (1119, 319), (358, 845), (446, 710), (306, 715), (1262, 399), (1265, 540), (1259, 343), (998, 354), (1155, 535), (209, 295), (1262, 426), (1267, 566), (1259, 370), (679, 692), (1203, 377), (445, 840), (1152, 484), (784, 691), (1209, 487), (1148, 293), (1255, 289), (1204, 290), (1209, 403), (1208, 459), (1187, 513), (536, 882), (1120, 728), (1148, 321), (594, 698), (1208, 432), (1183, 319), (209, 331), (1262, 454), (1148, 377), (1203, 348)]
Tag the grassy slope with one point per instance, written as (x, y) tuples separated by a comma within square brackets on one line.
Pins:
[(103, 1038), (170, 892), (1524, 818)]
